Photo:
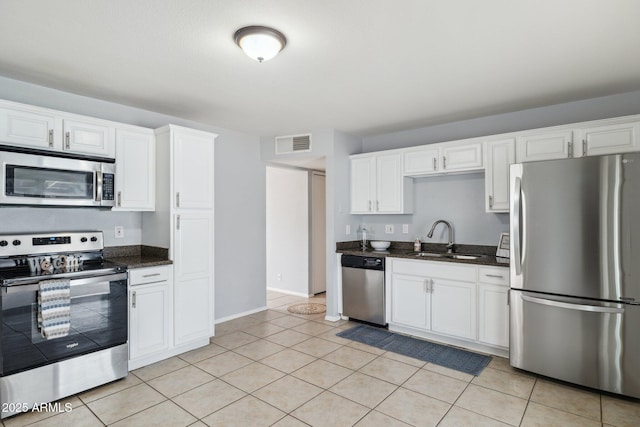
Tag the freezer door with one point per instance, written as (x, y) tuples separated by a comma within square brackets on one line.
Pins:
[(575, 229), (595, 344)]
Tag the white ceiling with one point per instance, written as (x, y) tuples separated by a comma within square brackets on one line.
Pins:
[(359, 66)]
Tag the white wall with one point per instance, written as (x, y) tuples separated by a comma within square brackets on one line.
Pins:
[(287, 217), (239, 197)]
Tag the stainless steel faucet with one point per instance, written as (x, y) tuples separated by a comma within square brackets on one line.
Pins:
[(433, 227)]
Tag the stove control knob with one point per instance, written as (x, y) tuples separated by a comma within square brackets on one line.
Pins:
[(84, 239), (16, 243), (94, 239), (3, 243)]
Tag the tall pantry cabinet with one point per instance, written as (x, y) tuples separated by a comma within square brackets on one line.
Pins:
[(183, 222)]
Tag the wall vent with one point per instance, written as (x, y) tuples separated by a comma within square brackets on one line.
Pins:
[(293, 144)]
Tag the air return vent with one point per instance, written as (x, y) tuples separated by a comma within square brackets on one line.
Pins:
[(293, 144)]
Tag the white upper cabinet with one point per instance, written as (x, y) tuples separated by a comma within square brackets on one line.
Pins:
[(463, 157), (135, 170), (30, 129), (193, 174), (88, 137), (499, 155), (610, 138), (377, 185), (544, 146), (422, 161)]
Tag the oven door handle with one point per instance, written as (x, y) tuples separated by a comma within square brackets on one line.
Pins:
[(75, 283)]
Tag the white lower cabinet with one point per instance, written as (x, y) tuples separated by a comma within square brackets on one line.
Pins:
[(460, 304)]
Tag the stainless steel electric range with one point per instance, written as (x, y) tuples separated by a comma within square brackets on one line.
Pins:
[(89, 346)]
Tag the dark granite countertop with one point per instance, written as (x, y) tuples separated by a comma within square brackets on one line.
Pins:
[(405, 250), (137, 256)]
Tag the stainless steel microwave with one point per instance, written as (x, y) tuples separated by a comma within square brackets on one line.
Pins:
[(36, 178)]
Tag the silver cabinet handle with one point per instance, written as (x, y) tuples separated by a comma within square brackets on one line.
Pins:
[(377, 205), (119, 198), (177, 199), (50, 137), (444, 162), (569, 149), (494, 275), (570, 306), (490, 201), (369, 205), (435, 164), (178, 222), (133, 299), (584, 147), (151, 275), (67, 139)]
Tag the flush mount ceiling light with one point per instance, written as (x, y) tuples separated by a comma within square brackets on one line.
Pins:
[(260, 43)]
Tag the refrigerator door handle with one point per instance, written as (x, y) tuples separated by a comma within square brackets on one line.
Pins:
[(517, 212), (579, 307)]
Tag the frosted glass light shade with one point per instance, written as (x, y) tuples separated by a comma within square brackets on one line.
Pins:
[(260, 43)]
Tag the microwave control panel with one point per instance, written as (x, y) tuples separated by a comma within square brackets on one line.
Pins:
[(108, 190)]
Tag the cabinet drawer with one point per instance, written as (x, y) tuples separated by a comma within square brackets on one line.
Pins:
[(494, 275), (140, 276), (445, 270)]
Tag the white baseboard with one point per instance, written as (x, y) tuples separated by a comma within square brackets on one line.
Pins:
[(235, 316), (284, 291)]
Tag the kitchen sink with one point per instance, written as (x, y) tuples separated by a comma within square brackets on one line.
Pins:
[(464, 256)]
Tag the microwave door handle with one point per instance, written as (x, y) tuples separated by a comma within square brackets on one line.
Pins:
[(98, 191)]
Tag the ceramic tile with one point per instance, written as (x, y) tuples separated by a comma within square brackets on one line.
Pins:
[(288, 338), (177, 382), (569, 399), (505, 382), (368, 348), (389, 370), (413, 408), (223, 363), (322, 373), (259, 349), (378, 419), (234, 340), (287, 393), (350, 357), (247, 411), (288, 360), (620, 411), (404, 359), (458, 417), (166, 414), (502, 407), (80, 416), (353, 388), (202, 353), (252, 377), (120, 405), (342, 412), (163, 367), (331, 336), (288, 321), (266, 315), (502, 364), (208, 398), (239, 323), (462, 376), (316, 347), (436, 385), (542, 416), (313, 328), (289, 421), (262, 330), (31, 417)]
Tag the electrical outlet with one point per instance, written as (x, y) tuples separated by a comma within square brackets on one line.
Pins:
[(405, 228), (388, 228), (279, 276), (119, 233), (348, 229)]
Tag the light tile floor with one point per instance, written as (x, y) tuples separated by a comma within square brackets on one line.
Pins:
[(276, 369)]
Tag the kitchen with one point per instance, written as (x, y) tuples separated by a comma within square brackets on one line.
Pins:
[(239, 221)]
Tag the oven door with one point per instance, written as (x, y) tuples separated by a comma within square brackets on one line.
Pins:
[(30, 179), (98, 321)]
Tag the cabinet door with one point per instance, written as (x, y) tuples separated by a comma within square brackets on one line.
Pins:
[(421, 162), (30, 129), (610, 139), (453, 308), (389, 196), (493, 315), (135, 171), (149, 319), (499, 155), (89, 138), (193, 289), (462, 157), (363, 178), (547, 146), (409, 301), (193, 169)]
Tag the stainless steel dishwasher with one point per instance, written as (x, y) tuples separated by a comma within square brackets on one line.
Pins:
[(363, 288)]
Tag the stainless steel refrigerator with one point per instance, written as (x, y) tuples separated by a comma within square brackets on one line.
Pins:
[(575, 270)]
